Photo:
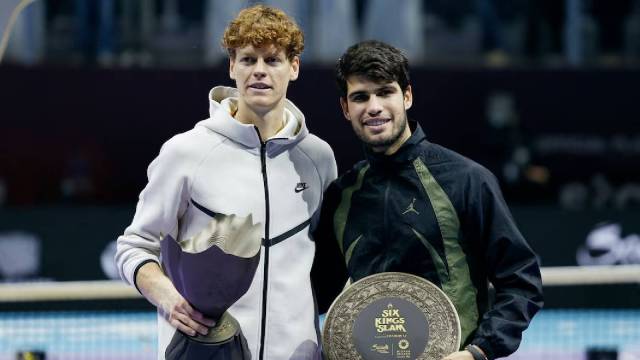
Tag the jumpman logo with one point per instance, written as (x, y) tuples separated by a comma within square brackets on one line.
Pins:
[(411, 207)]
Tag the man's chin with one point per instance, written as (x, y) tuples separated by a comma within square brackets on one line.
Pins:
[(378, 144), (262, 104)]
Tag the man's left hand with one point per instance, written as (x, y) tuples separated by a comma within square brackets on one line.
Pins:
[(459, 355)]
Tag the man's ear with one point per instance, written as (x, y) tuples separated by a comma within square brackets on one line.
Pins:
[(408, 98), (232, 63), (345, 108), (295, 68)]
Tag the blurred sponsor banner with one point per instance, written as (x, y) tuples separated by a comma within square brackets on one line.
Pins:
[(76, 242)]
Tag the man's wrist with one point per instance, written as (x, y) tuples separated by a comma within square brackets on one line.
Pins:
[(476, 352)]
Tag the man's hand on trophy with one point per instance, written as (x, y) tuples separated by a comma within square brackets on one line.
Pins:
[(159, 290), (459, 355), (471, 352), (183, 316)]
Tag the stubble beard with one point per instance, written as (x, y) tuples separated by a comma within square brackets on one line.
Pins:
[(383, 144)]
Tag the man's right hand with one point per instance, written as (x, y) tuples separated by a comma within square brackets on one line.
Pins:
[(159, 290)]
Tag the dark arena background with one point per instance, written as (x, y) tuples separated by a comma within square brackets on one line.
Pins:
[(545, 94)]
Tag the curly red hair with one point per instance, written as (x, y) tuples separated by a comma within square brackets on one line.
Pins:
[(262, 25)]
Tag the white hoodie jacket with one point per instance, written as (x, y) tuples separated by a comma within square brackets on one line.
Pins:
[(221, 166)]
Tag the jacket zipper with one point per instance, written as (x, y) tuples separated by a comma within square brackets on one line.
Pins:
[(265, 280)]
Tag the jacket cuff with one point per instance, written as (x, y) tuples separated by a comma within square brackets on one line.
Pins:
[(135, 273), (485, 346)]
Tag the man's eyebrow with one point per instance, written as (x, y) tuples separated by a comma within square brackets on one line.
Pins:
[(386, 88), (357, 93)]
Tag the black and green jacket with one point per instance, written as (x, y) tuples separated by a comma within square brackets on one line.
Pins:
[(431, 212)]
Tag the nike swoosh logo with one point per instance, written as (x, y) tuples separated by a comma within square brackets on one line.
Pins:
[(301, 186)]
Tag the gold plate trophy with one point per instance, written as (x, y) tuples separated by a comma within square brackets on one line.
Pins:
[(391, 316)]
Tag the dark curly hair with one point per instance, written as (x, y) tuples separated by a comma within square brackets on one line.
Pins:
[(374, 60)]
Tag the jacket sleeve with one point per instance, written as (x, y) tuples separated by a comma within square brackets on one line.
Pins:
[(328, 273), (324, 161), (160, 205), (512, 268)]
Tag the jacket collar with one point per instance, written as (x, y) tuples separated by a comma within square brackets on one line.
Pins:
[(406, 153), (223, 100)]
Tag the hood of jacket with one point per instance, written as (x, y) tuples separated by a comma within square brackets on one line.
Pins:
[(223, 101)]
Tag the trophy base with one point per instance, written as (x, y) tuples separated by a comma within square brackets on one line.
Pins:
[(224, 341), (225, 328)]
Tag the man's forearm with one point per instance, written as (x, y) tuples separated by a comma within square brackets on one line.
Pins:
[(154, 284), (160, 291)]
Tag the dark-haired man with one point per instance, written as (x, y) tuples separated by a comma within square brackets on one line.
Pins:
[(416, 207)]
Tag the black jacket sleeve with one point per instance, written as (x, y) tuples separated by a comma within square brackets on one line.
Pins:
[(512, 268), (328, 273)]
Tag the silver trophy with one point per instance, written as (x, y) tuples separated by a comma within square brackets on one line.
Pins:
[(212, 270)]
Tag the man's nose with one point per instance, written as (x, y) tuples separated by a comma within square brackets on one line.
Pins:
[(259, 70), (374, 106)]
